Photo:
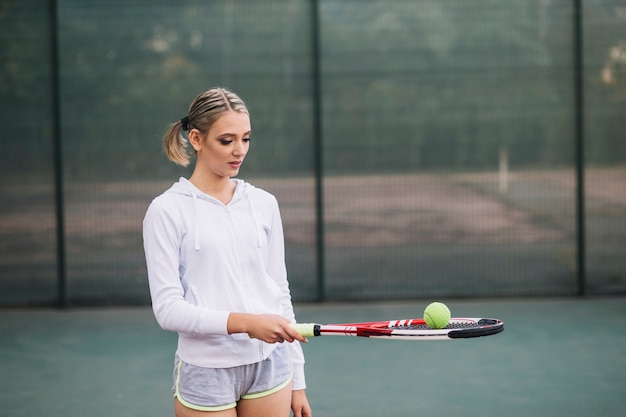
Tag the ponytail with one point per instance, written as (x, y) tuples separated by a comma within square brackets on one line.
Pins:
[(175, 145)]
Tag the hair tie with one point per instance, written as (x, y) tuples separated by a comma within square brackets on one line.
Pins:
[(185, 123)]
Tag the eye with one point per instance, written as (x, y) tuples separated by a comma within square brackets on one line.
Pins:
[(247, 139), (225, 141)]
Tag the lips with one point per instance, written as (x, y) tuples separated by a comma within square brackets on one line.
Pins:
[(235, 164)]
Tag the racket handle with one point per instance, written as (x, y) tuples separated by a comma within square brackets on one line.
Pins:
[(305, 329)]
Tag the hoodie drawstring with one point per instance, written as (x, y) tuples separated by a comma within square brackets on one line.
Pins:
[(195, 221)]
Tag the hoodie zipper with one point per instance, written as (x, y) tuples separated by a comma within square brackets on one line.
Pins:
[(241, 262), (239, 250)]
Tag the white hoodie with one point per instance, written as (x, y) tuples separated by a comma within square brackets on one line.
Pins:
[(205, 260)]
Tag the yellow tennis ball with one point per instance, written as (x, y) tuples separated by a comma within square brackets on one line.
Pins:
[(437, 315)]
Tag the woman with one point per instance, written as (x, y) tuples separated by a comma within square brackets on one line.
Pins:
[(215, 256)]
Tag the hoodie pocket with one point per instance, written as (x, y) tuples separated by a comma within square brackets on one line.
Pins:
[(192, 296)]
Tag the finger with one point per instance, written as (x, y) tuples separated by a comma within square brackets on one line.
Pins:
[(295, 335)]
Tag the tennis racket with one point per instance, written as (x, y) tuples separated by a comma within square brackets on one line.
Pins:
[(409, 329)]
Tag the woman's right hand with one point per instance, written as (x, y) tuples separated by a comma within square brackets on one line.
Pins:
[(270, 328)]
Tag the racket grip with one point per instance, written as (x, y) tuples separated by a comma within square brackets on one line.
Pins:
[(305, 329)]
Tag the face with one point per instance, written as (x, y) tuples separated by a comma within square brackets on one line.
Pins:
[(222, 151)]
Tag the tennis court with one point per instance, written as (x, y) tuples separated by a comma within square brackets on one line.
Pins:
[(470, 152), (556, 357)]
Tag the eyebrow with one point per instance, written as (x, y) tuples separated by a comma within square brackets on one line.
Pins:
[(249, 132)]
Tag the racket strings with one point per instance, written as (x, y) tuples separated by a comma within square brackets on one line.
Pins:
[(452, 325)]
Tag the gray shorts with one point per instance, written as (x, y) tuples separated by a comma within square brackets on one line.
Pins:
[(215, 389)]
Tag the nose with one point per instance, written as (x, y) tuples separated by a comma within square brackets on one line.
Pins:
[(240, 149)]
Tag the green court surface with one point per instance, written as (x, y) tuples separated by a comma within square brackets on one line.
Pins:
[(556, 357)]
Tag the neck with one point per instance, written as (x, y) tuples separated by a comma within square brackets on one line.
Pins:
[(221, 188)]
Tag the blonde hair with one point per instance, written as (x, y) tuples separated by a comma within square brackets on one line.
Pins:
[(203, 112)]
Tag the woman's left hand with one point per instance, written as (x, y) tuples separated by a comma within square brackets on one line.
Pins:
[(300, 404)]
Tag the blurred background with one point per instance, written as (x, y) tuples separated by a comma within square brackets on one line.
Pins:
[(426, 148)]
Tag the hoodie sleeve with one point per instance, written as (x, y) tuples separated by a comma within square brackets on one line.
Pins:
[(162, 236), (277, 269)]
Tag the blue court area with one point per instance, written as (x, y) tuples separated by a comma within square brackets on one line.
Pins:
[(556, 357)]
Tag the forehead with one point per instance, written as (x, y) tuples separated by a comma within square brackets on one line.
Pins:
[(231, 122)]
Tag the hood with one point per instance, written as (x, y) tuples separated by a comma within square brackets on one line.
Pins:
[(185, 187), (242, 191)]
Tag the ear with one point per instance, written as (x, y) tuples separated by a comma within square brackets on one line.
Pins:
[(195, 139)]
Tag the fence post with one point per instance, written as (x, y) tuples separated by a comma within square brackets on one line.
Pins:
[(318, 149), (579, 127), (57, 153)]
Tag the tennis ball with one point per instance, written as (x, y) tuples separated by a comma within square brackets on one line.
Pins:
[(437, 315)]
